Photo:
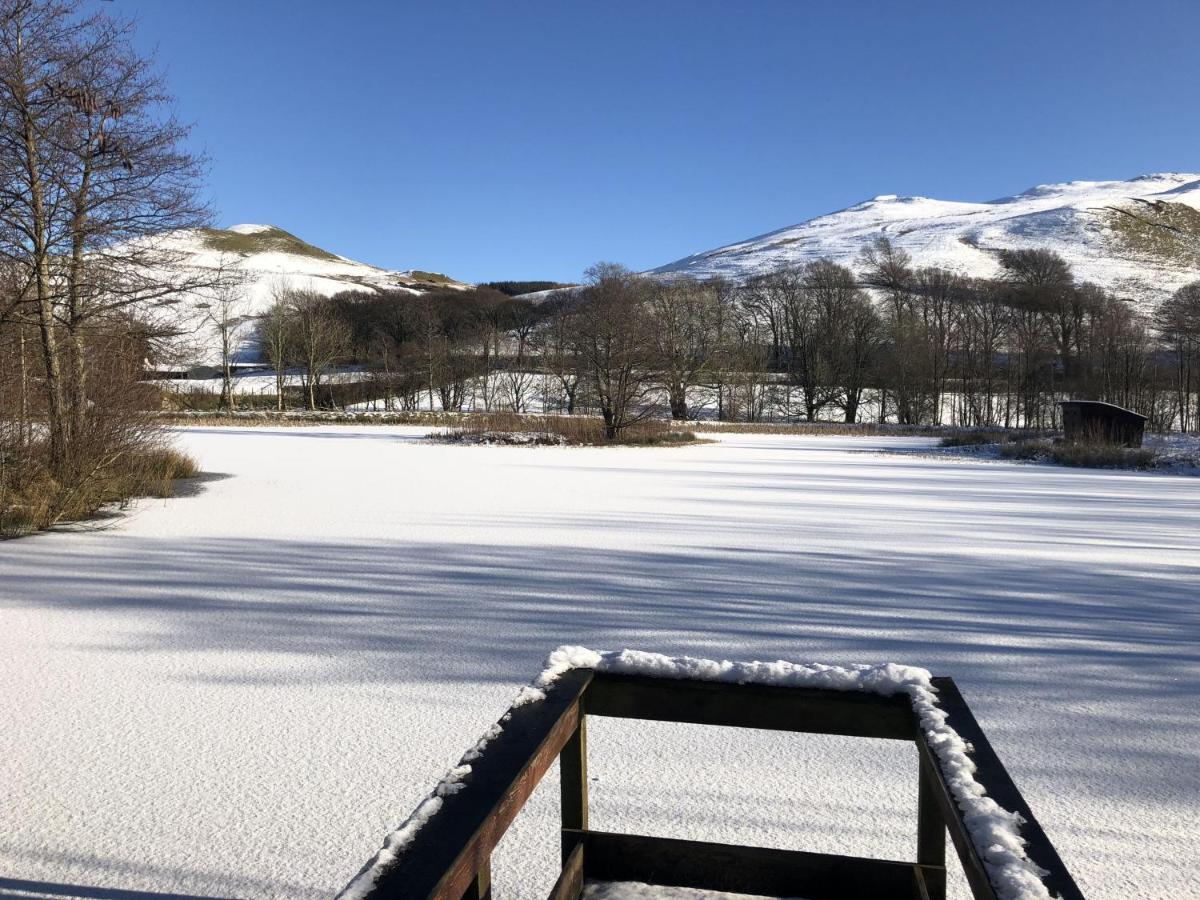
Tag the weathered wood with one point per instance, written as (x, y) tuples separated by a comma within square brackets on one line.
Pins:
[(445, 855), (570, 883), (746, 870), (480, 887), (572, 772), (990, 772), (807, 710), (968, 856), (922, 887), (931, 829), (449, 858)]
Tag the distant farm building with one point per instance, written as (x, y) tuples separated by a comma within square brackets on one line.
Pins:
[(1091, 420)]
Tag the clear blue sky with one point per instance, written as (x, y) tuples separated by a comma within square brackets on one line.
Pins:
[(528, 140)]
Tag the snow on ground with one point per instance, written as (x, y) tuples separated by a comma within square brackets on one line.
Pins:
[(239, 693)]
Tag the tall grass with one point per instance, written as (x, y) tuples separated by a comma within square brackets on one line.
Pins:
[(32, 499), (572, 430), (456, 419), (1082, 454)]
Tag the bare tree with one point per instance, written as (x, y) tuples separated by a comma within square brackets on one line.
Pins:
[(1178, 323), (92, 174), (320, 339), (517, 377), (887, 270), (611, 327), (556, 349), (682, 318), (855, 350), (275, 337), (226, 314)]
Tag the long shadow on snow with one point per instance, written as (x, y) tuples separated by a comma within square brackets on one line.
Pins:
[(986, 621)]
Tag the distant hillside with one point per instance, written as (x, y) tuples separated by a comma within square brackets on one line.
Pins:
[(517, 288), (1140, 238), (267, 257)]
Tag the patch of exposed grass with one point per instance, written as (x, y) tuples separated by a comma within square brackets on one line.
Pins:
[(1080, 454), (1167, 232), (272, 240), (585, 431), (256, 418), (864, 429), (975, 438), (431, 277)]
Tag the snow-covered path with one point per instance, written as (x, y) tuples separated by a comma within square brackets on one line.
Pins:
[(237, 693)]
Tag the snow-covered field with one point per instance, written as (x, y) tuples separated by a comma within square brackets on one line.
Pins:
[(238, 693)]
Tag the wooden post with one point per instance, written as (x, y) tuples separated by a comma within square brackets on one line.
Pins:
[(480, 887), (931, 830), (572, 773)]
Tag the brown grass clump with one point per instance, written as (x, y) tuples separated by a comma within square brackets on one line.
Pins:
[(587, 431), (858, 429), (31, 499), (1082, 454), (259, 417)]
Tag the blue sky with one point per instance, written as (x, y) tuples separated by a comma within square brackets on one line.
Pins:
[(529, 140)]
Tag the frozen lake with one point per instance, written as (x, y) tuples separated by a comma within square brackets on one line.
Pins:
[(238, 693)]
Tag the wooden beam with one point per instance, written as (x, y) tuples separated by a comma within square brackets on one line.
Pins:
[(809, 710), (964, 846), (931, 828), (990, 772), (445, 855), (570, 883), (572, 772), (480, 887), (746, 870)]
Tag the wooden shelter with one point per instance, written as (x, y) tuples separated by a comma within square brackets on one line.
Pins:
[(1097, 422)]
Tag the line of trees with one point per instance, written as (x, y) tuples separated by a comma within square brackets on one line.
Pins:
[(889, 341)]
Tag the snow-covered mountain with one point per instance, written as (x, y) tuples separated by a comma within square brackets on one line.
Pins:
[(1140, 238), (268, 256)]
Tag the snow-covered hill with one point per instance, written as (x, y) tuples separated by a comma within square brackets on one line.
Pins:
[(268, 256), (1110, 231), (262, 259)]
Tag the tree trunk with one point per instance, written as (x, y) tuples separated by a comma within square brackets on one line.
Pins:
[(55, 425), (851, 409), (678, 397), (226, 371)]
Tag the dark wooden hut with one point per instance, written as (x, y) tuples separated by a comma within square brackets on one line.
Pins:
[(1091, 420)]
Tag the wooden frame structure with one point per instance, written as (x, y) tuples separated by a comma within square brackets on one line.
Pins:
[(449, 857)]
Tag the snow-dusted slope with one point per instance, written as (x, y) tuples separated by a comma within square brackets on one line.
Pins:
[(268, 255), (261, 259), (1101, 227)]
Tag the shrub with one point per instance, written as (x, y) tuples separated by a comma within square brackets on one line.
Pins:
[(32, 500), (1026, 450), (976, 438), (1081, 454)]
